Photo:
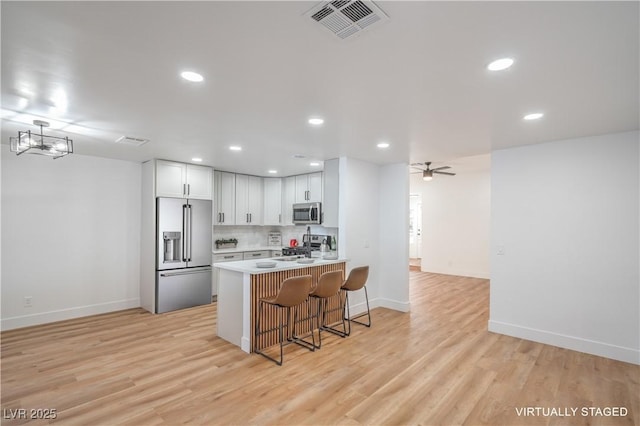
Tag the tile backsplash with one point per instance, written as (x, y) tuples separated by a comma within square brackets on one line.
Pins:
[(255, 236)]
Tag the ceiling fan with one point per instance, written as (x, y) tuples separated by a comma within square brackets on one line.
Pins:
[(427, 174)]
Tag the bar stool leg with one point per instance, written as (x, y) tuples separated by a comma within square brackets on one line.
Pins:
[(344, 332), (300, 340), (348, 316), (368, 313)]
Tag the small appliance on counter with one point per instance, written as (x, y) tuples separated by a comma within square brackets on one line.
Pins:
[(314, 241)]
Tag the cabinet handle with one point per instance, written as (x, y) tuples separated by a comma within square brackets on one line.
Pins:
[(229, 257), (256, 254), (222, 217), (279, 217), (250, 218), (188, 189), (184, 189)]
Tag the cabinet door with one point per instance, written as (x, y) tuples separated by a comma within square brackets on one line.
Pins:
[(272, 201), (261, 254), (170, 179), (330, 192), (288, 198), (242, 197), (225, 198), (315, 187), (255, 200), (248, 200), (302, 189), (199, 182)]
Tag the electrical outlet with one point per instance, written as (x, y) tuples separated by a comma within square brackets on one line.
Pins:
[(28, 301), (500, 250)]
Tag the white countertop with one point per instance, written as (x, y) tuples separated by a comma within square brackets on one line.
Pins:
[(243, 249), (249, 266)]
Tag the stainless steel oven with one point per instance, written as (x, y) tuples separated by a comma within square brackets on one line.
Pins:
[(307, 213)]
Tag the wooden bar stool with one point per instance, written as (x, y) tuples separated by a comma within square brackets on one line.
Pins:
[(356, 281), (327, 287), (293, 292)]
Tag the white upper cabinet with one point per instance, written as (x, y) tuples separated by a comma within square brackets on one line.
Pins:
[(180, 180), (272, 189), (330, 188), (288, 198), (248, 200), (199, 182), (224, 208), (308, 187)]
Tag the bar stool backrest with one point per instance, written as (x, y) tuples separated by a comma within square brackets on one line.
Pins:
[(293, 291), (357, 278), (328, 284)]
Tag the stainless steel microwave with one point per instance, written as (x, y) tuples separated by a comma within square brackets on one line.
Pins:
[(307, 213)]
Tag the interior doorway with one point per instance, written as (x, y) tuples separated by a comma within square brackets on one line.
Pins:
[(415, 231)]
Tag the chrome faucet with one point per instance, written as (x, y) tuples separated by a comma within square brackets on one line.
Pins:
[(308, 250)]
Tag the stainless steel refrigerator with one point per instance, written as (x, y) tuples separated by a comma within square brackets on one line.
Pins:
[(183, 253)]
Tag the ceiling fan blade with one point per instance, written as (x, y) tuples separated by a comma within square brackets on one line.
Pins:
[(416, 164), (441, 168), (413, 173), (444, 173)]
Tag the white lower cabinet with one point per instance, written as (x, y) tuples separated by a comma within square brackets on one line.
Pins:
[(258, 254), (219, 258)]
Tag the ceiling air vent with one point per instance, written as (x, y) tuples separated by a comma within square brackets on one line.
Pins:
[(345, 18), (131, 141)]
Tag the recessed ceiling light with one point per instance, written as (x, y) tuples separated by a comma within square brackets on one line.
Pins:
[(192, 76), (316, 121), (500, 64), (533, 116), (273, 172), (197, 159), (314, 164), (383, 145), (235, 148)]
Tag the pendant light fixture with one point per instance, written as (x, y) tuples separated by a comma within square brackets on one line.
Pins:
[(427, 175), (39, 143)]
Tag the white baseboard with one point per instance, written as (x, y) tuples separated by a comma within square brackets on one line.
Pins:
[(396, 305), (457, 272), (358, 308), (65, 314), (592, 347)]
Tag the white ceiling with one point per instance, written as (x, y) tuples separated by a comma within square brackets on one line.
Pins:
[(418, 81)]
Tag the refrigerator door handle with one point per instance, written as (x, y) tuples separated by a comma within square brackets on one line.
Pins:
[(188, 272), (190, 231), (184, 232)]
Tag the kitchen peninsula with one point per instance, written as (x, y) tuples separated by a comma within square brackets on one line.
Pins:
[(242, 284)]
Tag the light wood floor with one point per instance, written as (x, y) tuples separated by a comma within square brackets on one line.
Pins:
[(435, 365)]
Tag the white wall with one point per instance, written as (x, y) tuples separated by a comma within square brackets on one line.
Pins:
[(394, 236), (566, 216), (70, 237), (368, 194), (456, 219)]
